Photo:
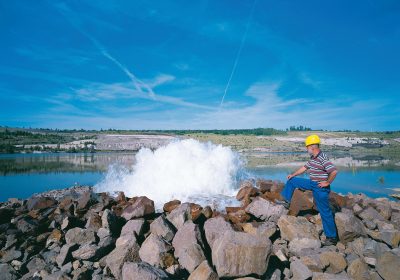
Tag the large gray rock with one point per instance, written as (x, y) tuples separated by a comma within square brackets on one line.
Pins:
[(236, 254), (299, 270), (65, 254), (356, 246), (358, 270), (141, 207), (179, 215), (203, 272), (373, 248), (50, 256), (395, 219), (371, 214), (93, 222), (266, 229), (296, 227), (80, 236), (384, 225), (106, 244), (298, 244), (36, 264), (134, 227), (12, 254), (84, 199), (109, 221), (390, 237), (189, 246), (214, 228), (126, 250), (103, 232), (88, 252), (313, 262), (142, 271), (388, 266), (330, 276), (27, 225), (7, 272), (37, 203), (384, 209), (265, 210), (155, 251), (348, 226), (323, 259), (334, 262), (162, 228)]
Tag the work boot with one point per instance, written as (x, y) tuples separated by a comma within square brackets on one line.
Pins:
[(284, 203), (330, 241)]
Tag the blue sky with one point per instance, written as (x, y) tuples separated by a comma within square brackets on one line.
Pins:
[(200, 64)]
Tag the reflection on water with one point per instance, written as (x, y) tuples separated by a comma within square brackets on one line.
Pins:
[(24, 174), (61, 162)]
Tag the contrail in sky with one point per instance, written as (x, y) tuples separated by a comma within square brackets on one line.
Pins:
[(141, 86), (239, 52)]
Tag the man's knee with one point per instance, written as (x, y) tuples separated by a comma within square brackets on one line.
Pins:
[(294, 181), (289, 184)]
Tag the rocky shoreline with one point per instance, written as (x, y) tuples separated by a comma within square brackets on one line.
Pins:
[(79, 234)]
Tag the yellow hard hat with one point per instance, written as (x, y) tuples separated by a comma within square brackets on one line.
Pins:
[(312, 139)]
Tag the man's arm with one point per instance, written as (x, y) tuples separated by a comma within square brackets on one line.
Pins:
[(299, 171), (332, 171), (331, 177)]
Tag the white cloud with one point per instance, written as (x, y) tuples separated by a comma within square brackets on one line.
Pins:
[(265, 108), (160, 79), (270, 110), (101, 92)]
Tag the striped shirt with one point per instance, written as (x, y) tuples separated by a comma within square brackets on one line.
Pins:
[(319, 167)]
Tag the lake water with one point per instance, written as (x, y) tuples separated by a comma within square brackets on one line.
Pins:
[(21, 175)]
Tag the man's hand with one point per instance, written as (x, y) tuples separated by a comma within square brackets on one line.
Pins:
[(323, 184), (299, 171)]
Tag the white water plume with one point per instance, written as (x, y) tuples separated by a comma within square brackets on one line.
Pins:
[(187, 170)]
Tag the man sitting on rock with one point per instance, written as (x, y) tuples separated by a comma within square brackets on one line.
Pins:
[(322, 173)]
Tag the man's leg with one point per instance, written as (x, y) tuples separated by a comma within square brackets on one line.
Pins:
[(294, 183), (321, 197)]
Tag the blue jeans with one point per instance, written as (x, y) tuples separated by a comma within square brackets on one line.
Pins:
[(321, 197)]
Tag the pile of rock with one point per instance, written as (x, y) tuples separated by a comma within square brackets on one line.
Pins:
[(79, 234)]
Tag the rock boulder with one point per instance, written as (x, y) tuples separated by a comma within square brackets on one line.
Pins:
[(296, 227), (236, 254)]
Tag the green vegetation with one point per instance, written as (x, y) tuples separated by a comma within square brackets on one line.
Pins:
[(84, 133), (21, 137), (298, 128), (253, 131), (14, 140), (17, 140)]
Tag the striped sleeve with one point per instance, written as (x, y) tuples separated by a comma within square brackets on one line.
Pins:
[(307, 165), (328, 165)]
